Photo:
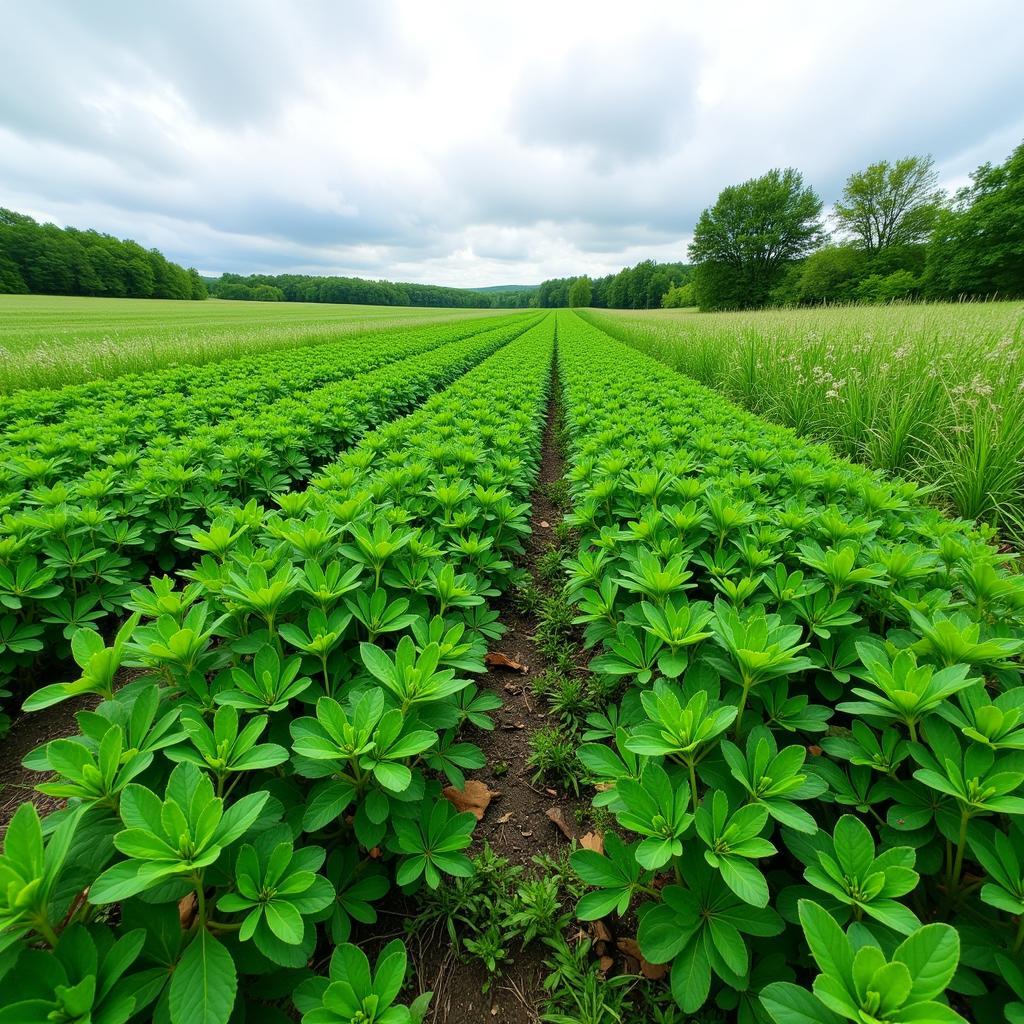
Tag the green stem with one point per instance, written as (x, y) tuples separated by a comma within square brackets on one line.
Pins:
[(1018, 943), (45, 929), (200, 901), (693, 784), (961, 849), (739, 712), (913, 731)]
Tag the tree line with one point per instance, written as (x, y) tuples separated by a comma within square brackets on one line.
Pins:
[(356, 290), (895, 236), (648, 285), (46, 259)]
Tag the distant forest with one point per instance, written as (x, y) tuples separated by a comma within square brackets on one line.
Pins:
[(644, 286), (303, 288), (46, 259)]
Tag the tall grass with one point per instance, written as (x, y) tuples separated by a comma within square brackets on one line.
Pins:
[(934, 392), (51, 341)]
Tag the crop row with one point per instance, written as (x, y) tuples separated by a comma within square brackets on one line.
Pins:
[(72, 548), (176, 398), (278, 764), (820, 744)]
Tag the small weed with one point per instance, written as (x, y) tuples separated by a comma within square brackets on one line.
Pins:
[(526, 597), (549, 566), (577, 991), (599, 819), (538, 912), (557, 492), (498, 905), (554, 625), (553, 758)]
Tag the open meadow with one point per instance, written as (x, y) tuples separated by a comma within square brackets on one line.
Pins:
[(501, 627)]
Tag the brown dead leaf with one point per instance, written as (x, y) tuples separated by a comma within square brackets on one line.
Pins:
[(375, 853), (603, 787), (600, 937), (545, 525), (495, 659), (652, 972), (593, 841), (550, 791), (505, 818), (814, 750), (475, 797), (555, 816), (606, 963), (187, 908)]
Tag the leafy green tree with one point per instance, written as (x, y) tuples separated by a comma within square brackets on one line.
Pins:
[(197, 285), (46, 259), (579, 292), (832, 274), (10, 276), (743, 244), (900, 284), (679, 296), (978, 247), (890, 204)]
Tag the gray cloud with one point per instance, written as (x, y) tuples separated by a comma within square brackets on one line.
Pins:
[(474, 145)]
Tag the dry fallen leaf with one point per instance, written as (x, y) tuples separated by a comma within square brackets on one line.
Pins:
[(593, 841), (495, 659), (505, 818), (814, 750), (653, 972), (600, 936), (187, 908), (555, 816), (606, 963), (475, 797)]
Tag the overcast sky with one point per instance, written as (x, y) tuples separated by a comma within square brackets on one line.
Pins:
[(475, 143)]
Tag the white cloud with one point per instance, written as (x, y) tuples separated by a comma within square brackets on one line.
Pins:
[(475, 144)]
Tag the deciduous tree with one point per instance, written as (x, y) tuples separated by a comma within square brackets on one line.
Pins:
[(890, 204), (744, 242)]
